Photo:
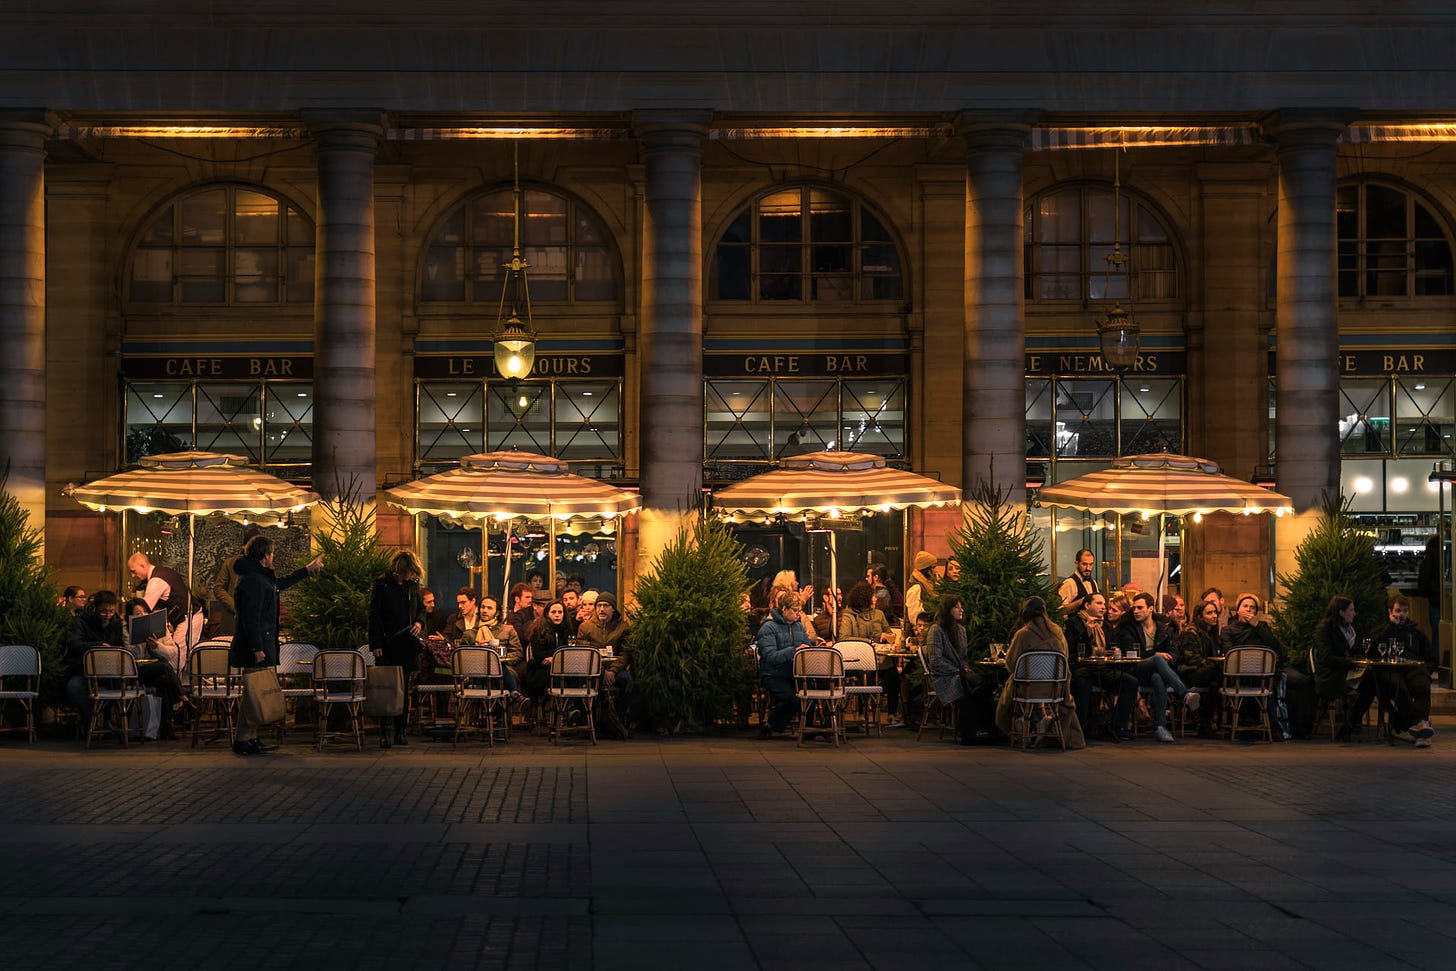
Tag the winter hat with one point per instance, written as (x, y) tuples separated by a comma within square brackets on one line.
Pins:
[(607, 598), (924, 560), (589, 597)]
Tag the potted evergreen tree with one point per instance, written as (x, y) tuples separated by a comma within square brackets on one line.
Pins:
[(29, 609), (1002, 564), (331, 611), (1337, 558), (689, 632)]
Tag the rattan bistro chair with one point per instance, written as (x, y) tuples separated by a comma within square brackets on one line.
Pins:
[(1248, 675), (932, 707), (862, 686), (338, 679), (576, 679), (20, 681), (819, 686), (1038, 683), (215, 688), (480, 691), (111, 680)]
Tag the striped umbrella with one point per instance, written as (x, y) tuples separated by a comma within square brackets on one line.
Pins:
[(511, 485), (1174, 485), (831, 482), (195, 484), (506, 485), (1164, 484)]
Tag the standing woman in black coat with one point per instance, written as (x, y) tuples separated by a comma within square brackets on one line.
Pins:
[(396, 620)]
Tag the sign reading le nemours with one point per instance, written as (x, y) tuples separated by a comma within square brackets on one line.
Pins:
[(1050, 362), (478, 367)]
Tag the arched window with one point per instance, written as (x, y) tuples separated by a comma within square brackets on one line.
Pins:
[(807, 243), (224, 244), (562, 241), (1069, 233), (1390, 243)]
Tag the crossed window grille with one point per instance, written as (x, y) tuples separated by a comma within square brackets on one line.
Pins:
[(1102, 418), (574, 420), (270, 423)]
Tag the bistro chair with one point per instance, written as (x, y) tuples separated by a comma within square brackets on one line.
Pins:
[(931, 707), (480, 691), (1038, 683), (1334, 710), (576, 679), (20, 681), (862, 686), (1248, 675), (819, 686), (295, 669), (215, 688), (338, 679), (111, 680)]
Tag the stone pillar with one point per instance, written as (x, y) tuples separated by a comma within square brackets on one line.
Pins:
[(670, 342), (344, 386), (994, 394), (22, 310), (1306, 440)]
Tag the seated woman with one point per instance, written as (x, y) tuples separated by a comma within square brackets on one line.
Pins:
[(949, 666), (862, 620), (1036, 632), (779, 639), (544, 638), (1196, 650), (159, 676)]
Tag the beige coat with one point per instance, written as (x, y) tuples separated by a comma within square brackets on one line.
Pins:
[(1033, 637)]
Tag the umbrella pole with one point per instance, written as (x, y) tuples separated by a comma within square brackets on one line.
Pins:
[(506, 570), (485, 561), (1162, 562), (191, 543), (833, 585), (551, 560)]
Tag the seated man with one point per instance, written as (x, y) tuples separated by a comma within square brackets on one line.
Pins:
[(779, 639), (96, 625), (1086, 632), (159, 677), (165, 589), (1413, 682), (1153, 639), (609, 632)]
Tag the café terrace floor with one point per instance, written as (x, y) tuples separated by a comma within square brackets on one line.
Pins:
[(704, 853)]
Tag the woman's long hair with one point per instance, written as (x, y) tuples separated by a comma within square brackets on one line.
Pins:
[(945, 619), (543, 631), (1033, 612), (1337, 603)]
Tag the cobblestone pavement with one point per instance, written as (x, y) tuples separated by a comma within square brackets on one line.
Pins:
[(730, 853)]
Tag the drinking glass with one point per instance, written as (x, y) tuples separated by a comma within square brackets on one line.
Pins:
[(1365, 648)]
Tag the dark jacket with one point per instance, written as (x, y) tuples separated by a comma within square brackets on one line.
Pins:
[(1129, 637), (87, 632), (256, 602), (522, 620), (1417, 646), (1195, 645), (545, 640), (394, 609), (1332, 659), (1236, 633), (777, 641), (1081, 640)]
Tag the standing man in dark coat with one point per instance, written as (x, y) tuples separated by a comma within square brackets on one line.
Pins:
[(255, 643)]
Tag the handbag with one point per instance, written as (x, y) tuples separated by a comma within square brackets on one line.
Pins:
[(262, 697), (383, 691)]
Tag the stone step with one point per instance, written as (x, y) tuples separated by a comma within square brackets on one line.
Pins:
[(1443, 701)]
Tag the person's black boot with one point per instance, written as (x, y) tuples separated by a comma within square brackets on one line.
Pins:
[(1346, 730)]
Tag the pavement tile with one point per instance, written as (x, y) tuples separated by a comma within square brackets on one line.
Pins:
[(708, 853)]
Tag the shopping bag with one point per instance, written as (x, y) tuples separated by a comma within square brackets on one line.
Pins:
[(262, 697), (146, 717), (384, 691)]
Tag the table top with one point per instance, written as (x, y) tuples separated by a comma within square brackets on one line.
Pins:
[(1406, 662)]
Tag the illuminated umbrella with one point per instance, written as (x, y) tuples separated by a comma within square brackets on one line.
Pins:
[(1165, 484), (510, 485), (831, 483), (195, 484)]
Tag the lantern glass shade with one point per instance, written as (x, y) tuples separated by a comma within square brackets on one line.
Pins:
[(1120, 338), (515, 351)]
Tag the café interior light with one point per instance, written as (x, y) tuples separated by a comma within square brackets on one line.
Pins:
[(515, 338)]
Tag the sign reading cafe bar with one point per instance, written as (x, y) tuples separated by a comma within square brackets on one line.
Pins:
[(804, 364), (222, 367)]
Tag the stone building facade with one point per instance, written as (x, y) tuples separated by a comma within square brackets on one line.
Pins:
[(753, 231)]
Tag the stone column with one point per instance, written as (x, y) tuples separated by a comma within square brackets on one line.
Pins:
[(670, 342), (994, 394), (344, 321), (1306, 440), (22, 310)]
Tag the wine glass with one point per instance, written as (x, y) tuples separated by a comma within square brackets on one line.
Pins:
[(1365, 646)]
